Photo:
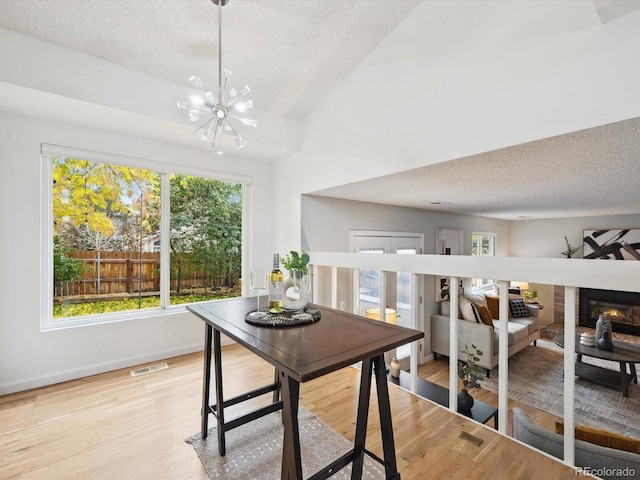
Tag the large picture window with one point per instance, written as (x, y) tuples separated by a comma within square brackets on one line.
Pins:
[(121, 239)]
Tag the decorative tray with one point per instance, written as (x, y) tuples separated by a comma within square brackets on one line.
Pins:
[(286, 318)]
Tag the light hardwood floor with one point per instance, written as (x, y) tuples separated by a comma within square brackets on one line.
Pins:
[(112, 426), (438, 372)]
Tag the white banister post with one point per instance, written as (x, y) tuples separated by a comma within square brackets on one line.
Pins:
[(315, 282), (356, 290), (383, 295), (503, 358), (415, 317), (569, 373), (334, 287), (453, 344)]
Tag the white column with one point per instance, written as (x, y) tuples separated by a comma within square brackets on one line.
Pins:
[(383, 295), (315, 283), (356, 290), (453, 344), (503, 358), (569, 373), (415, 321), (334, 287)]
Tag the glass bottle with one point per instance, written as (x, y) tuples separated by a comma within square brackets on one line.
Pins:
[(275, 286)]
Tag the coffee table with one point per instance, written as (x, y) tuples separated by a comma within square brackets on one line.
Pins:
[(623, 353)]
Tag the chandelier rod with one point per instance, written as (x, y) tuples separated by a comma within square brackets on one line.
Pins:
[(220, 2)]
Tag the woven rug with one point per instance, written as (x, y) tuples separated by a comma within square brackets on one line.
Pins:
[(536, 379), (254, 450)]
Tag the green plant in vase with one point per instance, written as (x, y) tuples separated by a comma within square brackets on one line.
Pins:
[(297, 264), (295, 261), (570, 251), (470, 374)]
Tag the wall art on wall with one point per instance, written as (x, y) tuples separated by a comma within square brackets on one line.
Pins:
[(450, 241), (616, 244), (442, 288)]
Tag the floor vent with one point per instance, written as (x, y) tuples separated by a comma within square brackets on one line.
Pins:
[(151, 369)]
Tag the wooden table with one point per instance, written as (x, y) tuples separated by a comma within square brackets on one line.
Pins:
[(623, 353), (300, 354)]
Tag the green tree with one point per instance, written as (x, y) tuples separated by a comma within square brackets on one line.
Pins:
[(206, 234), (65, 268)]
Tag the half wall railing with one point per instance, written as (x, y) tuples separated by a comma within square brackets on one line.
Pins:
[(568, 273)]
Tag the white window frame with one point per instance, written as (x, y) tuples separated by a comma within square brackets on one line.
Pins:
[(490, 282), (47, 322)]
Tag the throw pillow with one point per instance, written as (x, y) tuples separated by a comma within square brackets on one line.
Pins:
[(484, 314), (466, 309), (493, 304), (518, 308), (602, 438)]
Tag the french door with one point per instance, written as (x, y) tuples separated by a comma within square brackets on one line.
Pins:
[(397, 287)]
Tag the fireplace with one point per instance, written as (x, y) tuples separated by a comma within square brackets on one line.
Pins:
[(622, 308)]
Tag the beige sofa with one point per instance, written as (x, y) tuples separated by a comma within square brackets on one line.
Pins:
[(522, 330)]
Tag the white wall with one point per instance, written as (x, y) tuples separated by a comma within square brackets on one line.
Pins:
[(460, 78), (327, 223), (30, 357)]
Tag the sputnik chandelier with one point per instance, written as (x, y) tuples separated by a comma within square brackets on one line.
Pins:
[(229, 104)]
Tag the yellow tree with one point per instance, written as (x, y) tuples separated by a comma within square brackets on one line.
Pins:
[(99, 205)]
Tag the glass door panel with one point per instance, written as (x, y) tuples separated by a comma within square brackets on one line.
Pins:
[(369, 285), (404, 291)]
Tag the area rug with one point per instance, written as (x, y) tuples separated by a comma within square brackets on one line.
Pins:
[(536, 379), (254, 450)]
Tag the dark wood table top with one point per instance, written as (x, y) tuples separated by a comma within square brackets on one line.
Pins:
[(622, 351), (308, 351)]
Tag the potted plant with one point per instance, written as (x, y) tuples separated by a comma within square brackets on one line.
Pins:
[(570, 250), (470, 374), (297, 264)]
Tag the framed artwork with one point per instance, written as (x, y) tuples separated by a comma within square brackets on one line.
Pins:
[(616, 244), (442, 288), (450, 241)]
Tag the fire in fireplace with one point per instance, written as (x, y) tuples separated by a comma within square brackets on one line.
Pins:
[(621, 308)]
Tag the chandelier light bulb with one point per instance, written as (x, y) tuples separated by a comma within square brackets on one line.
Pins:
[(196, 101), (196, 81)]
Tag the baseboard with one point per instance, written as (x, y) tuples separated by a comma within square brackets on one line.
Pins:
[(95, 369)]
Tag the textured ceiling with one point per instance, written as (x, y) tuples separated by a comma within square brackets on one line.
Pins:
[(591, 172), (296, 51)]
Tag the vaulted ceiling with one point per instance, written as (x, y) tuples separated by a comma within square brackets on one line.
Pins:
[(294, 53)]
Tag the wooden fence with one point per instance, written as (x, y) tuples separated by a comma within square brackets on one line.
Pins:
[(121, 273)]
